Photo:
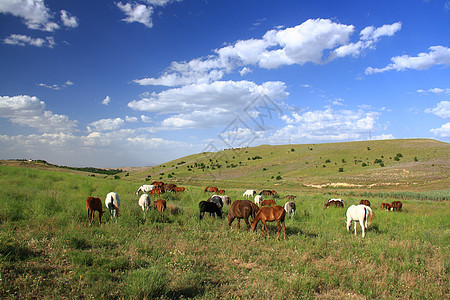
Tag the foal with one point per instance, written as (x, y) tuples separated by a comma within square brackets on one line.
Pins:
[(92, 205)]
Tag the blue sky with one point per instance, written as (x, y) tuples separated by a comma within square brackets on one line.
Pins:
[(136, 83)]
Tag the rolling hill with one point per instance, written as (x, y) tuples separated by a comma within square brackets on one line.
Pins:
[(419, 164)]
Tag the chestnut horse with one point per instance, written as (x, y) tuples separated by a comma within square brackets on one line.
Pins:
[(364, 202), (92, 205), (160, 205), (269, 202), (242, 209), (396, 205), (211, 189), (386, 206), (270, 214)]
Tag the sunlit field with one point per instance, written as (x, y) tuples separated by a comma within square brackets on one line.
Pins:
[(48, 250)]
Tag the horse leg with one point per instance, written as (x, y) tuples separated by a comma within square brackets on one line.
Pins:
[(362, 227), (246, 222), (239, 223), (279, 229), (355, 226), (284, 231)]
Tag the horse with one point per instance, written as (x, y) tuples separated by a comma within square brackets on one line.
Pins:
[(269, 202), (178, 189), (242, 209), (290, 208), (268, 193), (168, 187), (156, 191), (386, 206), (290, 197), (225, 199), (334, 202), (94, 204), (144, 202), (361, 213), (258, 199), (396, 205), (160, 205), (210, 207), (364, 202), (112, 202), (158, 183), (211, 189), (145, 188), (270, 214), (221, 192), (217, 200), (249, 193)]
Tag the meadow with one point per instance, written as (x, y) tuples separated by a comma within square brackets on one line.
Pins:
[(48, 250)]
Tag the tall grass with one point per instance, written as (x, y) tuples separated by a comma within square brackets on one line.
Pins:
[(47, 248)]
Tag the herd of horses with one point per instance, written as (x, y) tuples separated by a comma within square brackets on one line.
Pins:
[(264, 210)]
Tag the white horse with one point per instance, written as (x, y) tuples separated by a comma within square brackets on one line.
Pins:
[(249, 193), (112, 202), (258, 199), (290, 208), (145, 188), (361, 213), (145, 202)]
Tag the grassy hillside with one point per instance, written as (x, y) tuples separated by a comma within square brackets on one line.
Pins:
[(47, 249), (413, 164)]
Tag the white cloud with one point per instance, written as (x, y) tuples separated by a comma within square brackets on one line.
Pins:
[(29, 111), (106, 100), (443, 131), (24, 40), (56, 86), (383, 137), (438, 55), (68, 20), (136, 12), (105, 125), (35, 14), (207, 105), (146, 119), (326, 125), (436, 91), (308, 42), (441, 110), (244, 71), (131, 119)]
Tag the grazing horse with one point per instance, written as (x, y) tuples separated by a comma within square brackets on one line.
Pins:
[(158, 183), (156, 191), (94, 204), (290, 208), (361, 213), (258, 199), (144, 202), (211, 189), (225, 199), (334, 202), (217, 200), (268, 193), (160, 205), (221, 192), (269, 202), (270, 214), (210, 207), (249, 193), (145, 188), (178, 189), (386, 206), (242, 209), (168, 187), (364, 202), (112, 202), (290, 197), (396, 205)]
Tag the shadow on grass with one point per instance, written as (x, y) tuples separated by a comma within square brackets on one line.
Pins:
[(13, 253)]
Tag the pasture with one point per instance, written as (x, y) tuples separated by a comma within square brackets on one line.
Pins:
[(48, 249)]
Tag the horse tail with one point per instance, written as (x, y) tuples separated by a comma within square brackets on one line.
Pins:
[(371, 217)]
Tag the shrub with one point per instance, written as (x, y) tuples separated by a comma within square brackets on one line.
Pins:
[(278, 177), (328, 161), (341, 169)]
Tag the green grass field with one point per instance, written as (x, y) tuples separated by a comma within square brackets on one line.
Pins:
[(47, 249)]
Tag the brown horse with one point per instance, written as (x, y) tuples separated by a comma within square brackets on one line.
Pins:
[(364, 202), (270, 214), (158, 183), (92, 205), (335, 203), (242, 209), (386, 206), (211, 189), (396, 205), (160, 205), (269, 202)]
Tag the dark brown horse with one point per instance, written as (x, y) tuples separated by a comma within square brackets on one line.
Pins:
[(209, 207), (92, 205), (270, 214), (335, 203), (396, 205), (242, 209), (211, 189), (364, 202), (386, 206)]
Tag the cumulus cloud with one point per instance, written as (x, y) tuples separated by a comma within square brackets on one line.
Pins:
[(443, 131), (24, 40), (441, 110), (314, 41), (438, 55), (68, 20), (136, 12), (36, 14), (105, 125), (436, 91), (208, 104), (106, 100), (326, 125), (131, 119), (29, 111)]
